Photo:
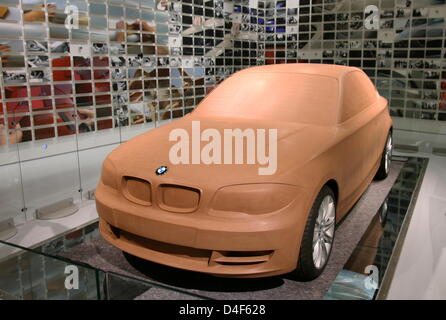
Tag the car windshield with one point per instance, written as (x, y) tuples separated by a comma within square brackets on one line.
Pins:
[(291, 97)]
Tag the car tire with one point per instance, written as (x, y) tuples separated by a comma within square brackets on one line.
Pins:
[(386, 159), (315, 241)]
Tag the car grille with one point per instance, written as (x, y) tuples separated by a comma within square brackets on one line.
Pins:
[(178, 198), (137, 190), (169, 197)]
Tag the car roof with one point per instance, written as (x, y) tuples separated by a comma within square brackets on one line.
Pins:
[(328, 70)]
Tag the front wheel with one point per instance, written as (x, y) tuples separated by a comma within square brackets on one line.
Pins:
[(386, 158), (317, 240)]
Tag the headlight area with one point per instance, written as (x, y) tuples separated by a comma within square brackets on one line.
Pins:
[(253, 199), (109, 174)]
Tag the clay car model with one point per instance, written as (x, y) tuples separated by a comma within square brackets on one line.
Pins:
[(334, 135)]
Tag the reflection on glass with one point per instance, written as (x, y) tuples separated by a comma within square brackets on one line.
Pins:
[(41, 274), (377, 244), (37, 275)]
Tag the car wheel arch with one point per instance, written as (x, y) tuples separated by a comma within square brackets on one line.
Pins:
[(333, 184)]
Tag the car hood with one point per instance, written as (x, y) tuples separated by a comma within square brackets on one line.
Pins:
[(296, 145)]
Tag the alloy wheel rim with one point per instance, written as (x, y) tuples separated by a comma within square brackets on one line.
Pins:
[(324, 232), (388, 154)]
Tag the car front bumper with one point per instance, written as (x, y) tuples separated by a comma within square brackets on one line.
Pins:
[(253, 247)]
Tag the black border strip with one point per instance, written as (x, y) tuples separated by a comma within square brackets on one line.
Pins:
[(396, 252)]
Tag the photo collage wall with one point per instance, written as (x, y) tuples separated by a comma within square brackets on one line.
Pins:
[(76, 66), (404, 55)]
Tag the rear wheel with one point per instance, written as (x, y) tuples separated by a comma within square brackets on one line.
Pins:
[(317, 240), (386, 158)]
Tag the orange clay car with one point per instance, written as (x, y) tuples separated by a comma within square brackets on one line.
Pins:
[(334, 135)]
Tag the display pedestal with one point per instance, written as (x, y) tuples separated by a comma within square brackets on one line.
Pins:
[(7, 229), (57, 210)]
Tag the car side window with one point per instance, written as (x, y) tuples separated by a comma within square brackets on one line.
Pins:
[(358, 93)]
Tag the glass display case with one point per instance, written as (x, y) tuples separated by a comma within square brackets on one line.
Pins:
[(42, 273), (78, 78), (368, 272), (398, 43)]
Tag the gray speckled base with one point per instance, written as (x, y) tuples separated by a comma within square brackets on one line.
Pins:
[(104, 256)]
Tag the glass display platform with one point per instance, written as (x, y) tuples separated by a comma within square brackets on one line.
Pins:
[(361, 266), (369, 270)]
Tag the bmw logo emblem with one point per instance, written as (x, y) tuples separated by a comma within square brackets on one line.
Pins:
[(161, 170)]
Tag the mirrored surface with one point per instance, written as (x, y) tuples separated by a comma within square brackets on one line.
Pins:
[(362, 275)]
